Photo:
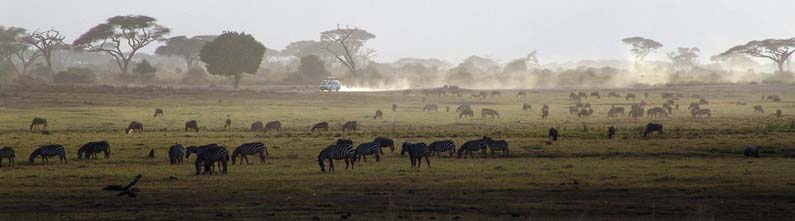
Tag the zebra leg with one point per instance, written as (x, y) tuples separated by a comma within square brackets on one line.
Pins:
[(245, 157), (223, 163), (330, 165), (346, 163), (428, 161), (377, 157)]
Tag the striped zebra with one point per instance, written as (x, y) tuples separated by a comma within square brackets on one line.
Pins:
[(209, 157), (92, 149), (273, 125), (350, 126), (364, 149), (471, 146), (442, 146), (335, 152), (385, 142), (198, 150), (7, 152), (246, 149), (48, 151), (175, 153), (416, 153), (497, 145)]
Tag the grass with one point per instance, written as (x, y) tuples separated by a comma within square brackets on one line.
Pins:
[(696, 170)]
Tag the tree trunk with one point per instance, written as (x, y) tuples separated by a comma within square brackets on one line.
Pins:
[(780, 66)]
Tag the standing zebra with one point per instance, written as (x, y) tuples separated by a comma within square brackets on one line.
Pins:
[(349, 126), (198, 150), (335, 152), (38, 121), (319, 126), (416, 153), (489, 112), (497, 145), (209, 157), (227, 123), (273, 125), (385, 142), (364, 149), (442, 146), (471, 146), (92, 148), (378, 114), (7, 152), (192, 125), (250, 149), (175, 153), (48, 151)]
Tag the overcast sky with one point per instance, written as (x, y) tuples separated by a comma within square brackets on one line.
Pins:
[(561, 30)]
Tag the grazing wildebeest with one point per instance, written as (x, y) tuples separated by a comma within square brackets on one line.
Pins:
[(379, 114), (92, 149), (657, 111), (192, 125), (319, 126), (778, 113), (630, 96), (759, 109), (175, 154), (752, 151), (158, 112), (585, 112), (7, 152), (497, 145), (227, 123), (521, 94), (701, 112), (416, 152), (471, 146), (611, 132), (442, 146), (490, 113), (385, 142), (552, 134), (430, 107), (38, 121), (257, 126), (651, 128), (527, 107), (349, 126), (614, 111), (394, 107), (48, 151), (574, 110), (134, 127), (273, 125), (596, 95), (466, 113)]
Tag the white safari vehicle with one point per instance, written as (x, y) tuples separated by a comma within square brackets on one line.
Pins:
[(330, 85)]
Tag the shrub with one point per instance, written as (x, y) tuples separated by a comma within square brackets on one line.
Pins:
[(196, 76), (75, 75)]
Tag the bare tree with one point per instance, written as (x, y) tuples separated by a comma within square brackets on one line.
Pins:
[(532, 58), (134, 31), (777, 50), (46, 42), (345, 44)]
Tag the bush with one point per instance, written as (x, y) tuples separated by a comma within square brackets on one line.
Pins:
[(75, 75), (196, 76), (145, 71), (26, 82)]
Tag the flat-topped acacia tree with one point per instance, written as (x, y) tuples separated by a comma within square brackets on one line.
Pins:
[(233, 54), (121, 37)]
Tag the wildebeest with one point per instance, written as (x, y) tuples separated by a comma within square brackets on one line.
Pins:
[(752, 151), (385, 142), (92, 149), (527, 107), (152, 153), (759, 109), (158, 112), (257, 126), (273, 125), (466, 113), (611, 132), (192, 125), (394, 107), (349, 126), (651, 128), (430, 107), (497, 145), (416, 153), (379, 114), (552, 134), (596, 95), (134, 127), (521, 94), (491, 113), (9, 153), (175, 154), (471, 146), (319, 126), (630, 96), (37, 123)]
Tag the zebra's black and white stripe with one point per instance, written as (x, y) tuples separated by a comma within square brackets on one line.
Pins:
[(250, 149), (335, 152), (372, 148), (385, 142), (209, 156), (472, 146), (497, 145), (48, 151), (416, 153), (175, 153), (7, 152), (92, 149), (198, 150), (442, 146)]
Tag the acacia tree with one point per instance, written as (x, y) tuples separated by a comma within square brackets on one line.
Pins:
[(121, 37), (345, 45), (14, 47), (777, 50), (233, 54), (187, 48), (684, 57), (532, 58), (641, 47), (732, 60), (46, 42)]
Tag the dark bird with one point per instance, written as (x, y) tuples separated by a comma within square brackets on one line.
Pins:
[(128, 190)]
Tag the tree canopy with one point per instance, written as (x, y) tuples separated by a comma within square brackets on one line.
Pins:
[(313, 69), (641, 47), (233, 54), (187, 48), (346, 45), (685, 57), (777, 50), (121, 37)]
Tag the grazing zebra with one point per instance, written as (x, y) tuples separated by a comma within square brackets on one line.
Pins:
[(208, 157), (611, 132), (471, 146), (192, 125), (668, 107), (394, 107), (319, 126), (430, 107), (364, 149), (752, 151), (552, 134), (273, 125), (175, 154), (37, 122), (651, 128), (697, 113), (759, 109), (257, 126), (92, 148), (416, 153), (344, 142), (442, 146), (48, 151), (466, 113), (497, 145), (158, 112), (349, 126), (7, 152), (463, 107), (657, 111), (250, 149), (586, 112), (385, 142), (335, 152), (378, 114), (134, 127), (491, 113)]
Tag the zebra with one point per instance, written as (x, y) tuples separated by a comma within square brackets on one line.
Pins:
[(256, 126), (175, 153), (227, 123), (630, 96), (489, 112), (521, 94), (344, 142), (250, 149), (759, 109), (158, 112), (335, 152), (349, 126), (416, 153), (273, 125), (371, 148), (544, 113), (471, 146), (497, 145), (319, 126), (394, 107), (198, 150), (7, 152), (134, 127), (385, 142), (466, 113), (92, 148), (442, 146), (430, 107), (47, 151), (208, 157), (38, 121), (192, 125)]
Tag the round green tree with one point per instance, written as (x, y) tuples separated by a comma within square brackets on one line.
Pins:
[(233, 54)]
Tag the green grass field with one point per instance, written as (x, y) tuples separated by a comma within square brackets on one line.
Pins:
[(695, 171)]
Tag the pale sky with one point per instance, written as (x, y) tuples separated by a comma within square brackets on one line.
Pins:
[(561, 30)]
